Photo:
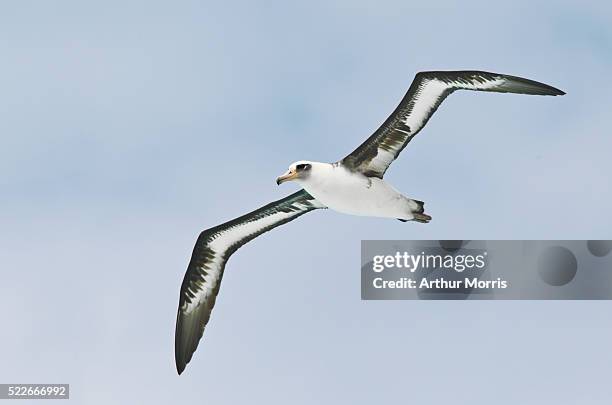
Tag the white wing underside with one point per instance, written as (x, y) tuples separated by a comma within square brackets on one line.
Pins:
[(212, 250), (224, 240), (425, 95)]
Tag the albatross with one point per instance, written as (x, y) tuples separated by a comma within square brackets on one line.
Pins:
[(353, 185)]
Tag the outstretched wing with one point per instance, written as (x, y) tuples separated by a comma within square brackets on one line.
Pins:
[(426, 93), (210, 254)]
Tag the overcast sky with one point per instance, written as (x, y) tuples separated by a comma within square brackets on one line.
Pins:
[(126, 127)]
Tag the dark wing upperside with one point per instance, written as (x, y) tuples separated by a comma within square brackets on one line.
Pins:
[(426, 93), (210, 254)]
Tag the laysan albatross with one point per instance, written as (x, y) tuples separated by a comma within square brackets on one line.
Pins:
[(354, 185)]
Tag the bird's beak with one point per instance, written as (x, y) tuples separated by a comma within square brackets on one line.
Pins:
[(290, 175)]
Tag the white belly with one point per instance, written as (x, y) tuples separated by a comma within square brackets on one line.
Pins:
[(356, 194)]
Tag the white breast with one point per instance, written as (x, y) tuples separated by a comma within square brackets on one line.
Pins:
[(353, 193)]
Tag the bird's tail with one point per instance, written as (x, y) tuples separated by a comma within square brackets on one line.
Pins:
[(418, 212), (422, 218)]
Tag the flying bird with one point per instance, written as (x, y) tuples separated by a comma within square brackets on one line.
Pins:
[(353, 185)]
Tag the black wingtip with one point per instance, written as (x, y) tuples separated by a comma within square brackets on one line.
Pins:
[(548, 90), (553, 91), (181, 358), (527, 86), (180, 364)]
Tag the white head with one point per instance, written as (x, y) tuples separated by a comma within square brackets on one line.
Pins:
[(298, 171)]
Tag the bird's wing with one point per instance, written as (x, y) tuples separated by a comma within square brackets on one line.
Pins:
[(210, 254), (426, 93)]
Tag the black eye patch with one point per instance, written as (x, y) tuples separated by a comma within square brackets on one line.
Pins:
[(302, 167)]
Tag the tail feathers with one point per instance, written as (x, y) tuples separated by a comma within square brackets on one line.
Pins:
[(418, 212), (422, 218)]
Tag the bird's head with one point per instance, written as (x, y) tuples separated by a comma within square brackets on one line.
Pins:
[(297, 171)]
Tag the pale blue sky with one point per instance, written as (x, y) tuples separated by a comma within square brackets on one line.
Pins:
[(127, 127)]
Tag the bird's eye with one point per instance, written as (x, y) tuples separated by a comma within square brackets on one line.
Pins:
[(300, 167)]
